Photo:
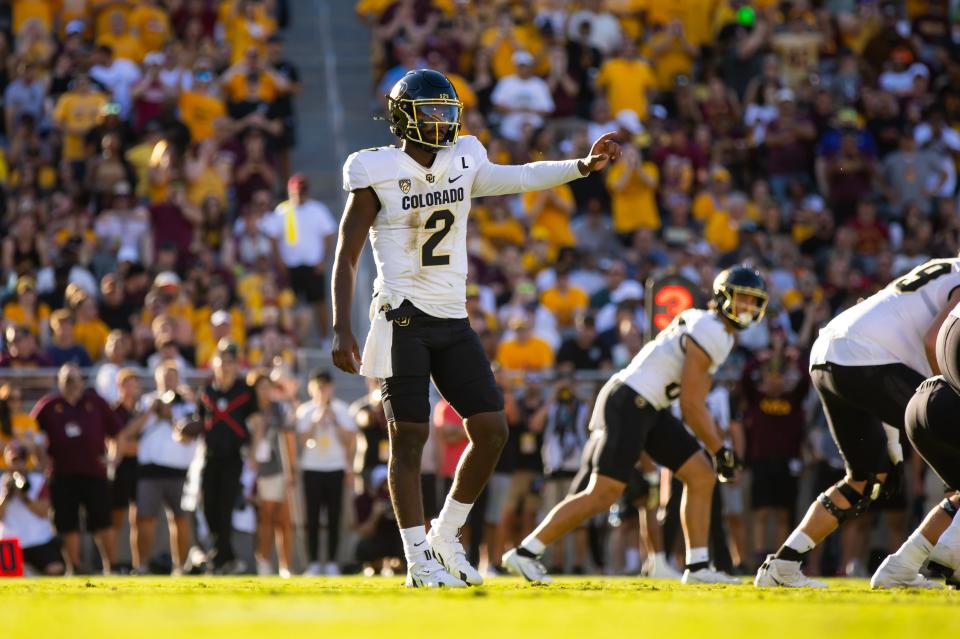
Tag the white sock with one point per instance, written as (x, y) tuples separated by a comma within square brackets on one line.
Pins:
[(414, 543), (697, 555), (914, 551), (452, 517), (534, 545), (800, 541), (660, 558)]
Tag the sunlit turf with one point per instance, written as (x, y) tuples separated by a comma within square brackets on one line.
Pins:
[(323, 607)]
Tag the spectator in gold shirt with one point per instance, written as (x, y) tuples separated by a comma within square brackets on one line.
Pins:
[(627, 81), (524, 352), (91, 332), (564, 300), (632, 183)]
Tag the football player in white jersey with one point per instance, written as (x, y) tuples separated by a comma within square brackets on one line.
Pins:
[(413, 201), (865, 365), (632, 415), (931, 424)]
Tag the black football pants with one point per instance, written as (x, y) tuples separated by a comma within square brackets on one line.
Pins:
[(221, 489)]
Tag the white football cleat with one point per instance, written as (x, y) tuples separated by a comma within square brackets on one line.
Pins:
[(453, 557), (787, 574), (529, 568), (428, 573), (313, 570), (659, 568), (708, 576), (893, 574)]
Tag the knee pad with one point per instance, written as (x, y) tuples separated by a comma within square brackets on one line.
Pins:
[(947, 506), (858, 502)]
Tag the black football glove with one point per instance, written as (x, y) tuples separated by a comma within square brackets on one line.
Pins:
[(896, 482), (726, 463)]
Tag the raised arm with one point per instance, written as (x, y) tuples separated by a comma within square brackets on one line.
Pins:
[(500, 179)]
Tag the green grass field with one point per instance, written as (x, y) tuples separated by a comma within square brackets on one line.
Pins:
[(241, 608)]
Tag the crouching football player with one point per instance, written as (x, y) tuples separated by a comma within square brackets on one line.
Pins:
[(931, 421), (632, 415), (865, 365)]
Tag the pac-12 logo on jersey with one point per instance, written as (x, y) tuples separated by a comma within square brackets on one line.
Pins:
[(405, 184)]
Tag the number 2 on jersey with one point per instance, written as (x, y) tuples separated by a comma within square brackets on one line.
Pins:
[(922, 275), (441, 220)]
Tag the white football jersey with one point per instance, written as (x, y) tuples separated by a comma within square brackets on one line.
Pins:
[(419, 237), (888, 327), (656, 370)]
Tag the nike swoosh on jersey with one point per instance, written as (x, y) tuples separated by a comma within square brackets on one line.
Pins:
[(452, 180)]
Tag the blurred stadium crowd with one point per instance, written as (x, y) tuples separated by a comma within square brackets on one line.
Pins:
[(146, 154)]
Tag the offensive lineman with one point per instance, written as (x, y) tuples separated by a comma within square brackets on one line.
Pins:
[(866, 364), (931, 421), (632, 414), (414, 201)]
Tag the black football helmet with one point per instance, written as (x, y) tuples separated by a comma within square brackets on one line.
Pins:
[(740, 281), (423, 107)]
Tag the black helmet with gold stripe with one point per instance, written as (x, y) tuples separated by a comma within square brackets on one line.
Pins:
[(423, 107), (740, 294)]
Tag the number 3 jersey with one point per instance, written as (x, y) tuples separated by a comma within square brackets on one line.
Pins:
[(889, 326), (655, 371), (419, 236)]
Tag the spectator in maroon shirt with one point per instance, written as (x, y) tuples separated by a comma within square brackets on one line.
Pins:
[(173, 222), (150, 93), (789, 142), (849, 176), (256, 171), (872, 234), (774, 386), (77, 423), (135, 285), (682, 148), (21, 350), (194, 10)]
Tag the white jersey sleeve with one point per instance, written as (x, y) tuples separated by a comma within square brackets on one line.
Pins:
[(503, 179), (355, 174), (656, 371), (889, 326), (711, 336)]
